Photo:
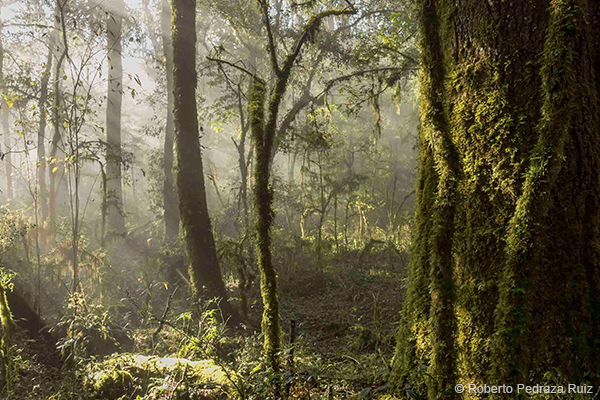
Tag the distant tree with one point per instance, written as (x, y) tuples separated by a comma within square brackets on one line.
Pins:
[(56, 167), (204, 269), (505, 267), (169, 191), (114, 159), (4, 117)]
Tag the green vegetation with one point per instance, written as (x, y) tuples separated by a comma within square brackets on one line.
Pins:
[(280, 199)]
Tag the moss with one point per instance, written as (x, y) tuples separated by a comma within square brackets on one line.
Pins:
[(263, 196), (432, 270), (129, 375), (508, 201), (566, 81)]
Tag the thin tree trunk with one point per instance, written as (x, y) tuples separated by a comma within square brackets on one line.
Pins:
[(4, 109), (205, 273), (56, 152), (114, 159), (41, 149), (171, 209), (263, 194)]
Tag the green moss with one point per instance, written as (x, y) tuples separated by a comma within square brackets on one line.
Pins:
[(263, 195), (129, 375), (565, 83), (505, 260)]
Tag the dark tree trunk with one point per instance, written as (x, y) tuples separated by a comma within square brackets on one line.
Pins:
[(114, 159), (504, 265), (171, 209), (204, 269)]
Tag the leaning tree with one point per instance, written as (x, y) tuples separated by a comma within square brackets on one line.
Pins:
[(504, 279)]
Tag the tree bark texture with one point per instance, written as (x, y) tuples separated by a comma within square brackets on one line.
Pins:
[(504, 276), (204, 268), (263, 196)]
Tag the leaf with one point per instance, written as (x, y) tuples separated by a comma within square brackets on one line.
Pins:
[(9, 102), (364, 393), (54, 169)]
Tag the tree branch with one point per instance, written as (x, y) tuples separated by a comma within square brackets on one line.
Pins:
[(264, 7), (309, 30), (235, 66)]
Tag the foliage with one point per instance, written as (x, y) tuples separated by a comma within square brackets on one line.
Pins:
[(85, 330)]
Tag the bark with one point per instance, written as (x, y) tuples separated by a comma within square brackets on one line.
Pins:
[(169, 192), (204, 268), (114, 159), (504, 264), (263, 197)]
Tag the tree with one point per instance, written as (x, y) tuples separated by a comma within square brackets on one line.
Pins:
[(505, 264), (264, 130), (169, 193), (4, 119), (114, 159), (59, 39), (204, 268)]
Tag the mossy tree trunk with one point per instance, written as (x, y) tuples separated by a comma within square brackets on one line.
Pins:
[(504, 274), (169, 192), (114, 158), (264, 131), (204, 268)]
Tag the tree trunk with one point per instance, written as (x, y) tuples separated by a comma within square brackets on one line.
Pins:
[(205, 273), (504, 265), (263, 196), (4, 121), (56, 153), (114, 159), (42, 194), (171, 209)]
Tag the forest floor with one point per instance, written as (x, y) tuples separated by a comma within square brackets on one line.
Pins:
[(345, 315)]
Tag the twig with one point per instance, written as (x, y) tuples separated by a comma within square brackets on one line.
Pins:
[(234, 66), (161, 322), (181, 380)]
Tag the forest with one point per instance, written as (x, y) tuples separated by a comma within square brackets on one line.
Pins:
[(299, 199)]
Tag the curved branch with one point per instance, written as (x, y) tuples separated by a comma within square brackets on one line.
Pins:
[(310, 28), (253, 75)]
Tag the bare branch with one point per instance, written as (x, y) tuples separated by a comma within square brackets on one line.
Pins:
[(264, 7), (253, 75)]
